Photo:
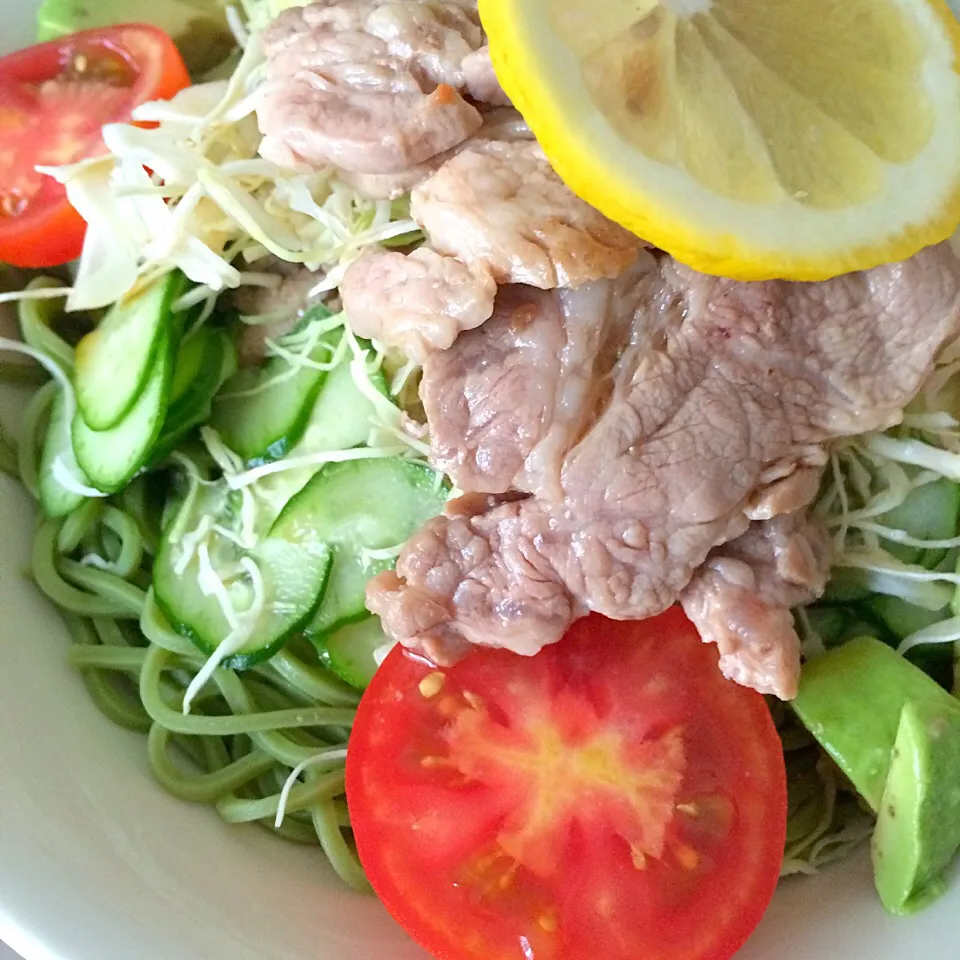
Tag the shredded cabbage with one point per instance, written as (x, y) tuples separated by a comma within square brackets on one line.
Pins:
[(825, 820), (64, 476), (874, 474), (259, 13), (210, 199), (946, 631), (869, 477), (328, 757), (242, 624)]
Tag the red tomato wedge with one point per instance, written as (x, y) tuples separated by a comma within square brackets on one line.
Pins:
[(54, 99), (613, 797)]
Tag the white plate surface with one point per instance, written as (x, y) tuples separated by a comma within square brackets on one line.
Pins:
[(97, 863)]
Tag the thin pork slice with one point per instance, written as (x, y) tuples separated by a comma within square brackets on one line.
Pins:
[(721, 392)]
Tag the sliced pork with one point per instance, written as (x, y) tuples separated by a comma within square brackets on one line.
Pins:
[(714, 411), (499, 123), (417, 302), (508, 402), (480, 80), (487, 579), (740, 599), (501, 204), (371, 86), (497, 213)]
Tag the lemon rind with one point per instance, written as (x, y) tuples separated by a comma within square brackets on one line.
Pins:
[(825, 243)]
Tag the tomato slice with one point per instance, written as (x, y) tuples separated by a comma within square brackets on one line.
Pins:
[(612, 797), (54, 99)]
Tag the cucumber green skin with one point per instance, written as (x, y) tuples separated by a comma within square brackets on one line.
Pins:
[(332, 658), (238, 661), (56, 500), (901, 619), (323, 625), (332, 429), (280, 448), (322, 507), (955, 601), (939, 500), (240, 421), (244, 659), (301, 503), (232, 417), (216, 363), (189, 364), (90, 394), (295, 576), (323, 655), (339, 421), (889, 619), (307, 414), (89, 445)]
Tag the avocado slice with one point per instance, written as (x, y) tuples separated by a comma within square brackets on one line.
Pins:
[(918, 827), (198, 27), (851, 699), (895, 733)]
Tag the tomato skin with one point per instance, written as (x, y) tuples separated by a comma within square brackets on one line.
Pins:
[(426, 827), (48, 231), (48, 238), (160, 69)]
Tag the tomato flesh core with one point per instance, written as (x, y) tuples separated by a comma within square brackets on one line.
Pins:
[(58, 121), (54, 100), (613, 796)]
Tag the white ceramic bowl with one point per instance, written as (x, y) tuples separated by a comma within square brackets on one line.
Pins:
[(98, 863)]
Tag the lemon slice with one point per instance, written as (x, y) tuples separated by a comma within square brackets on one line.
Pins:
[(749, 138)]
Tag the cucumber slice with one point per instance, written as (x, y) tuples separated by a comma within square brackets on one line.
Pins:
[(294, 573), (56, 499), (356, 506), (111, 458), (189, 364), (114, 362), (349, 651), (930, 512), (264, 411), (346, 598), (899, 619), (204, 363), (902, 618), (341, 417)]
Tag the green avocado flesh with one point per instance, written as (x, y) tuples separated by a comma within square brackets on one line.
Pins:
[(198, 27), (918, 827), (851, 699), (895, 733)]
